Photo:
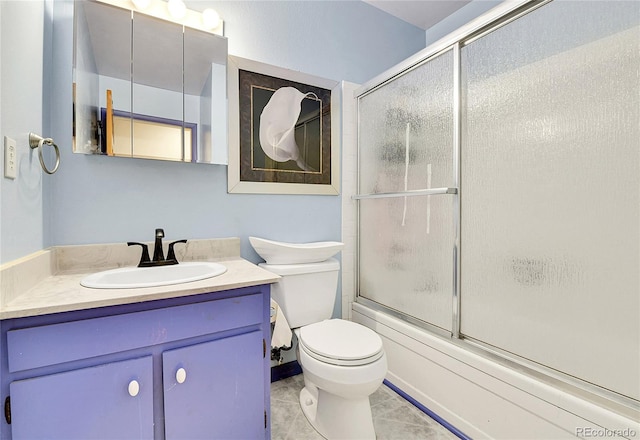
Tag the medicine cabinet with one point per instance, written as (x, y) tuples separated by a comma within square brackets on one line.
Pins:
[(147, 88)]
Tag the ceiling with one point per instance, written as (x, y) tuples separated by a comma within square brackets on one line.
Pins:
[(420, 13)]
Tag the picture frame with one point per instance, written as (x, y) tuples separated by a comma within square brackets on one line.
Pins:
[(284, 130)]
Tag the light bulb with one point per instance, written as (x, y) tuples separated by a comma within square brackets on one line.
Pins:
[(210, 19), (177, 8)]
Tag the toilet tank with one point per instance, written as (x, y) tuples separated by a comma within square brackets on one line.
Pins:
[(306, 293)]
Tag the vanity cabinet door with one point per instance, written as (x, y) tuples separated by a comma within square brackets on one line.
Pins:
[(90, 403), (216, 390)]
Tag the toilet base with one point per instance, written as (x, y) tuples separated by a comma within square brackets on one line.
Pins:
[(335, 417)]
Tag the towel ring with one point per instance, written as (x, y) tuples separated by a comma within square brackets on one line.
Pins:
[(36, 141)]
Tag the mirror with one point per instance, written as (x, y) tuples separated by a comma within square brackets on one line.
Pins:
[(147, 88)]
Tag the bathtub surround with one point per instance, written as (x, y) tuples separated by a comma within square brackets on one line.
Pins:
[(349, 119)]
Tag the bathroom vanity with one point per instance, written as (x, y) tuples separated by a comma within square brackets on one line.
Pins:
[(181, 361)]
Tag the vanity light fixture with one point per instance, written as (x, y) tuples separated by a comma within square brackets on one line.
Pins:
[(210, 18), (175, 11), (177, 8)]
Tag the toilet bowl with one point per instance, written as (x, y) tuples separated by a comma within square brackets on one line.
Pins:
[(342, 362)]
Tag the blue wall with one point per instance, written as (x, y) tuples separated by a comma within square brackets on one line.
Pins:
[(98, 199), (21, 50), (105, 199)]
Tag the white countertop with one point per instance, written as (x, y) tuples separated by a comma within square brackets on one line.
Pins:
[(61, 292)]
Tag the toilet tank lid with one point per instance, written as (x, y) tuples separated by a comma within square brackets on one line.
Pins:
[(298, 269)]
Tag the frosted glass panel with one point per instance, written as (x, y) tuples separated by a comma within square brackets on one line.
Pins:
[(551, 190), (410, 117), (406, 256)]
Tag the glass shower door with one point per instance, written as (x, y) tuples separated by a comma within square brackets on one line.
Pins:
[(550, 190), (406, 240)]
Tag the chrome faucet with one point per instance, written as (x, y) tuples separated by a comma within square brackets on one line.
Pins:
[(158, 253)]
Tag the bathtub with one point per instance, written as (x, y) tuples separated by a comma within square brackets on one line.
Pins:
[(483, 398)]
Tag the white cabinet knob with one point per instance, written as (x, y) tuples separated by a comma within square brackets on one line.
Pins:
[(181, 375), (134, 388)]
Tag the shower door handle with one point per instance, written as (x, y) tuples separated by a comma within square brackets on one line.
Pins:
[(413, 192)]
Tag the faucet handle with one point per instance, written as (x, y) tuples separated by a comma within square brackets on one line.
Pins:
[(172, 255), (145, 252)]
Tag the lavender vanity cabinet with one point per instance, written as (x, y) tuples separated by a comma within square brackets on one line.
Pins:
[(221, 403), (191, 367), (85, 403)]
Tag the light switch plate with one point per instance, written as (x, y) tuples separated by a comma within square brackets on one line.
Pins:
[(10, 158)]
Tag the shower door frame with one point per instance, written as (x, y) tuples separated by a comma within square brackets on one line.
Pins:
[(497, 17)]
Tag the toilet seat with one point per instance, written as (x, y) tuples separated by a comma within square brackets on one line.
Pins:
[(340, 342)]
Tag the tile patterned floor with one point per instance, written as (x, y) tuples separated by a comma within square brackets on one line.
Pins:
[(393, 417)]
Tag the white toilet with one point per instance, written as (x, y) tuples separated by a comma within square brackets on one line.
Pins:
[(343, 362)]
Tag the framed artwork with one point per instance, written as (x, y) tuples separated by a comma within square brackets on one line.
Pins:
[(283, 131)]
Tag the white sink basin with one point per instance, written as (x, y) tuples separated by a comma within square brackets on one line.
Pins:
[(135, 277), (278, 252)]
